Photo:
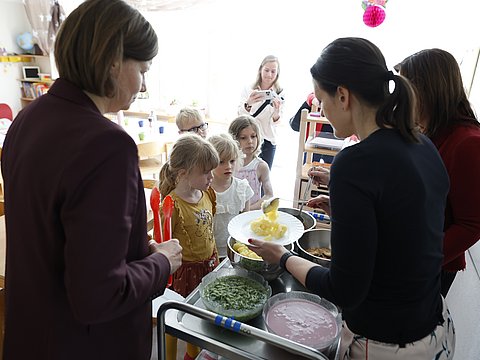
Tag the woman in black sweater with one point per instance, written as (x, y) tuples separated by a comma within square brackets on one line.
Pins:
[(387, 202)]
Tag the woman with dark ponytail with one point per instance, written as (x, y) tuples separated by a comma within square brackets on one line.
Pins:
[(387, 202)]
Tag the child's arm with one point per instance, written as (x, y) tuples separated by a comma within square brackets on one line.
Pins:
[(247, 193), (264, 176)]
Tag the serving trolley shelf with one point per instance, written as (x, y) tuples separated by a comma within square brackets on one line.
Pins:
[(191, 322)]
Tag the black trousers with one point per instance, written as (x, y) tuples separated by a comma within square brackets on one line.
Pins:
[(447, 280), (268, 153)]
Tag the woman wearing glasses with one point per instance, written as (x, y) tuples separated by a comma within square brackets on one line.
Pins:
[(190, 120)]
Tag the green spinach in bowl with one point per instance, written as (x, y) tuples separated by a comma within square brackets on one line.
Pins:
[(235, 293)]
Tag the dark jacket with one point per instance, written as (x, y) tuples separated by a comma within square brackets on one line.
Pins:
[(79, 278), (459, 148)]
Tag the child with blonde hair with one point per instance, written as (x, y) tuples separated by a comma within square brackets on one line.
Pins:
[(233, 194), (245, 130), (187, 177), (189, 120)]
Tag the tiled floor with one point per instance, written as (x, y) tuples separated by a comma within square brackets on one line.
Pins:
[(464, 302), (181, 347), (464, 296)]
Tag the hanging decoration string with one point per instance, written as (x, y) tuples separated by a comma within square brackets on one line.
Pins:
[(374, 13)]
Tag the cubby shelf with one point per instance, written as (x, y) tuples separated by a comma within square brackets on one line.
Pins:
[(305, 159)]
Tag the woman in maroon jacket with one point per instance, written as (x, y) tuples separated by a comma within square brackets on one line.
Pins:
[(448, 119), (80, 274)]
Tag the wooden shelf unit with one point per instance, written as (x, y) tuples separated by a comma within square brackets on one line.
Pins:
[(32, 89), (27, 86), (305, 161)]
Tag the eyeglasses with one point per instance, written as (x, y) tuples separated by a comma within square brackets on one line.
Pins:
[(196, 129)]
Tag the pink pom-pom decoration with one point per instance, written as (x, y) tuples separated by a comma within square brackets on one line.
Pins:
[(374, 15)]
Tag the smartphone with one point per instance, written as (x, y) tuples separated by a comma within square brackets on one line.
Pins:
[(268, 94)]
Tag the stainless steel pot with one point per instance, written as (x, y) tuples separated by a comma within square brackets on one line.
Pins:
[(315, 238), (307, 220), (268, 271)]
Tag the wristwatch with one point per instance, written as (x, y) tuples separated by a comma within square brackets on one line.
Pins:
[(247, 107), (283, 260)]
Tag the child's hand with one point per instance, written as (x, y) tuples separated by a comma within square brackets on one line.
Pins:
[(320, 202), (171, 249)]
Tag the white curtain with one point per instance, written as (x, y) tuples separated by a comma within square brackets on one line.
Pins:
[(45, 17), (164, 5)]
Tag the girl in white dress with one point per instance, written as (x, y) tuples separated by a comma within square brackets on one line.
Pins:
[(245, 130), (233, 194)]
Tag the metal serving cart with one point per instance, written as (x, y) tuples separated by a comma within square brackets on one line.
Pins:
[(191, 322)]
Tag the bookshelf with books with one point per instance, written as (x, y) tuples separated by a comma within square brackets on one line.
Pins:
[(32, 87)]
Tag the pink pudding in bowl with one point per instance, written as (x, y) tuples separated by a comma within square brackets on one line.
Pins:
[(302, 320)]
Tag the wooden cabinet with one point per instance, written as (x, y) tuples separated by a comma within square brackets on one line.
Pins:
[(312, 142)]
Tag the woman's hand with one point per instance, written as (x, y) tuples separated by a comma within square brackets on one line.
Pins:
[(276, 109), (319, 175), (320, 202), (172, 251), (255, 97), (270, 252)]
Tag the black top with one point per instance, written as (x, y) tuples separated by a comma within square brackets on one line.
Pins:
[(295, 120), (387, 209)]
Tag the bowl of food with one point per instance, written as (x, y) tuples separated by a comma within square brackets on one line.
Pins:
[(304, 318), (241, 256), (235, 293), (307, 220), (314, 245)]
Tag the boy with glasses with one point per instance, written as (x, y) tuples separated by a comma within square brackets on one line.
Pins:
[(190, 120)]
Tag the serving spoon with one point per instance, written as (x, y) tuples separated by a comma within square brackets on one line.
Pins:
[(305, 194), (270, 204)]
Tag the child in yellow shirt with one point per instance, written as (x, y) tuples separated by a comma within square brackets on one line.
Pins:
[(187, 177)]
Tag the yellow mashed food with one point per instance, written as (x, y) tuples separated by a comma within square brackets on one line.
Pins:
[(243, 249), (267, 225)]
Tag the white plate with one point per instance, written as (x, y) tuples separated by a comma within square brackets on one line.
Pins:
[(239, 227)]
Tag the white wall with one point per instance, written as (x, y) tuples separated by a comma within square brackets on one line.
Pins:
[(13, 21), (210, 52)]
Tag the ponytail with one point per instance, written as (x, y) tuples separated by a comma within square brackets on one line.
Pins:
[(167, 179), (398, 110)]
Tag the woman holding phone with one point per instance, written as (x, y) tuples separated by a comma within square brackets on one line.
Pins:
[(264, 101)]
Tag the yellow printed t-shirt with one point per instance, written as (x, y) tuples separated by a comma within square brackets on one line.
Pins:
[(192, 225)]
